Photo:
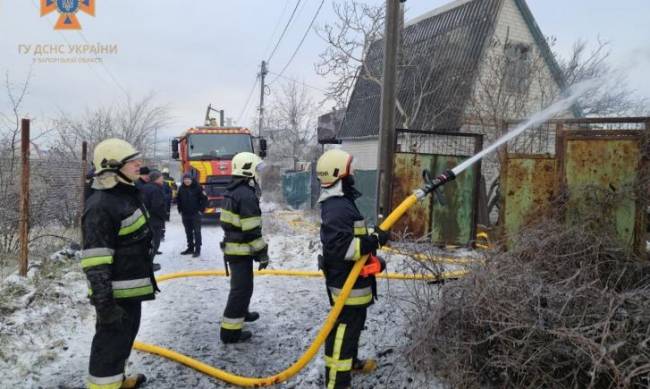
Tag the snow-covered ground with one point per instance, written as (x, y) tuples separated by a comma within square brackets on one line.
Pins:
[(46, 345)]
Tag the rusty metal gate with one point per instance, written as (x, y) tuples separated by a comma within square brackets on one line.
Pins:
[(455, 222), (528, 177), (577, 157)]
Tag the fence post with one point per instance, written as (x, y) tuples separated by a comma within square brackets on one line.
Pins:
[(84, 172), (24, 198)]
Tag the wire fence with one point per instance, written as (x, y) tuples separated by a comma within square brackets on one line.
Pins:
[(452, 143), (543, 139), (55, 198)]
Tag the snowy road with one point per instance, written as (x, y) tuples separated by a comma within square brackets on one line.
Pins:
[(186, 314)]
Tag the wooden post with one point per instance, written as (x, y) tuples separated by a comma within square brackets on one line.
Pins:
[(387, 111), (84, 172), (24, 198)]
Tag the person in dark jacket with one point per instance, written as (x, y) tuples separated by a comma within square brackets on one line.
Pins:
[(154, 199), (117, 261), (167, 192), (172, 189), (241, 219), (144, 177), (346, 239), (191, 203)]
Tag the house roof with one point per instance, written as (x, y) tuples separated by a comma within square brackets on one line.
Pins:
[(447, 45)]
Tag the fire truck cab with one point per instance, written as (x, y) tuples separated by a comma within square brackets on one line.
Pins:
[(207, 152)]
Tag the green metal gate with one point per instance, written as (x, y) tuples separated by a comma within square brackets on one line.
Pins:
[(576, 157), (366, 182), (296, 189), (609, 161), (455, 222)]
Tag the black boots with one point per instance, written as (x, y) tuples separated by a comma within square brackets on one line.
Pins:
[(251, 316), (245, 335), (364, 366), (235, 336), (197, 252), (133, 381), (188, 251)]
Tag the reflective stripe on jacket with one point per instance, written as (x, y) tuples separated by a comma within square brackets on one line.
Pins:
[(117, 245), (345, 240), (241, 219)]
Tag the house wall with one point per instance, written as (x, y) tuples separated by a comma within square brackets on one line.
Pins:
[(511, 27), (364, 152)]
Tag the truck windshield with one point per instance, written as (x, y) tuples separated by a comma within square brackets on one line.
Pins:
[(218, 146)]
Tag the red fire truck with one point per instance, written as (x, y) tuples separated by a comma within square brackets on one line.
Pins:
[(207, 152)]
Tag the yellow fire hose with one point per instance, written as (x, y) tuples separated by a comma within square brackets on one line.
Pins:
[(301, 273), (313, 348)]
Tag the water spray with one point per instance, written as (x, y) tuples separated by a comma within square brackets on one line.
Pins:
[(431, 185)]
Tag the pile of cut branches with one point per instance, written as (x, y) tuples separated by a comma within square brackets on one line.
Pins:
[(566, 307)]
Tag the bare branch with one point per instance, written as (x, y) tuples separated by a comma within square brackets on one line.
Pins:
[(292, 124)]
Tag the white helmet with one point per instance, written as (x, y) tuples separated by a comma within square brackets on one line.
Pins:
[(246, 165), (111, 154), (332, 166)]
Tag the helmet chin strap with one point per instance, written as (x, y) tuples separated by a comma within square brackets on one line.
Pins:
[(123, 177)]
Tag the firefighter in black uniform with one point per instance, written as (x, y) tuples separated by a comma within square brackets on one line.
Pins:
[(346, 239), (241, 219), (117, 259)]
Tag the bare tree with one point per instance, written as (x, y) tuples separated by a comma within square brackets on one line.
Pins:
[(349, 39), (292, 125), (514, 81), (135, 121), (612, 96), (10, 118), (425, 66)]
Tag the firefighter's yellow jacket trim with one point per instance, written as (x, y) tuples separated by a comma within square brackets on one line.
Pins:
[(241, 219)]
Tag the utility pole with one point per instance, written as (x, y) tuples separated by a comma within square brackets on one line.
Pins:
[(387, 113), (263, 74), (23, 228)]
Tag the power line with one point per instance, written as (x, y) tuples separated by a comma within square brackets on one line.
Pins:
[(248, 100), (297, 81), (301, 42), (286, 27), (277, 25), (110, 74)]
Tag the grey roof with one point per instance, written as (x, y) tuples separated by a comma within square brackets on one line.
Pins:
[(447, 47)]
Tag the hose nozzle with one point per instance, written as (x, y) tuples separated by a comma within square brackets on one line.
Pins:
[(432, 184)]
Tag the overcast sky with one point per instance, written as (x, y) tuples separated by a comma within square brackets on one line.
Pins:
[(191, 53)]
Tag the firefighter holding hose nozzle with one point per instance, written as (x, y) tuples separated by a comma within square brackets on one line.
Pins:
[(346, 239)]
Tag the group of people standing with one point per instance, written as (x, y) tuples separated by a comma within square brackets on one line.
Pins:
[(158, 189), (123, 225)]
